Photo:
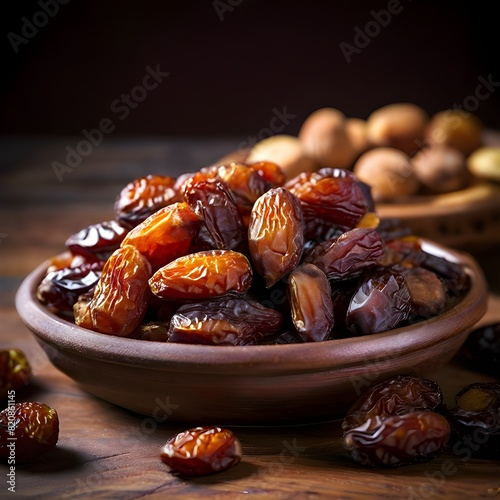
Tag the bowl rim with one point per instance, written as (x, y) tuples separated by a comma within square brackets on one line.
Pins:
[(332, 355)]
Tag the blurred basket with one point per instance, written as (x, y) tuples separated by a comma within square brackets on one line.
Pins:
[(467, 219)]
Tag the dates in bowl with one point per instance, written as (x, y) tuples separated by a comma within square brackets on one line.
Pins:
[(238, 295)]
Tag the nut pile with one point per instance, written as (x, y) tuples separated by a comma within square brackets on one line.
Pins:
[(399, 149), (236, 254)]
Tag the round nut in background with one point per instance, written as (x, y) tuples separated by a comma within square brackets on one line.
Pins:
[(286, 151), (325, 138), (399, 125), (485, 163), (441, 169), (456, 128), (357, 133), (389, 172)]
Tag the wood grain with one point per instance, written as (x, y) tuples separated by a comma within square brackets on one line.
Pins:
[(107, 452)]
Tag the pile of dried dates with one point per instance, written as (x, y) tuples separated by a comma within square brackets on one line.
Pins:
[(403, 421), (236, 254)]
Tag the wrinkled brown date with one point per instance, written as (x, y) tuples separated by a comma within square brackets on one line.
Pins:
[(394, 423), (165, 235), (213, 202), (331, 194), (381, 302), (143, 197), (475, 421), (226, 321), (203, 275), (202, 450), (33, 427), (97, 241), (310, 302), (121, 296), (348, 255), (398, 440), (15, 371), (275, 234), (395, 396), (61, 289)]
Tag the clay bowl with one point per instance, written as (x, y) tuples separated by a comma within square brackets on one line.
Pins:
[(250, 385)]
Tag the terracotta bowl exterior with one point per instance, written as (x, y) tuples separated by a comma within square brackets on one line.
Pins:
[(249, 385)]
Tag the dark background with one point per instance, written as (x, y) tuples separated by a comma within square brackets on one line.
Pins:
[(232, 63)]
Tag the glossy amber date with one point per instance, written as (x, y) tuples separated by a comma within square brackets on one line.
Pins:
[(275, 234), (165, 235), (331, 194), (121, 297), (203, 275), (143, 197), (227, 321), (201, 450), (97, 241), (381, 302), (270, 171), (15, 371), (395, 396), (398, 439), (310, 302), (213, 202), (348, 255), (245, 182), (32, 427)]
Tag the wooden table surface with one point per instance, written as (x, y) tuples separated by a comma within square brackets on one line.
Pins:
[(107, 452)]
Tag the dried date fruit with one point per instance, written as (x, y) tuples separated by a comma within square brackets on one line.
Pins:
[(348, 255), (475, 421), (275, 234), (155, 331), (310, 302), (27, 431), (143, 197), (331, 194), (15, 371), (396, 396), (165, 235), (213, 202), (270, 171), (97, 241), (381, 302), (245, 183), (481, 350), (228, 321), (398, 440), (394, 423), (203, 275), (427, 292), (60, 289), (202, 450), (121, 296)]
